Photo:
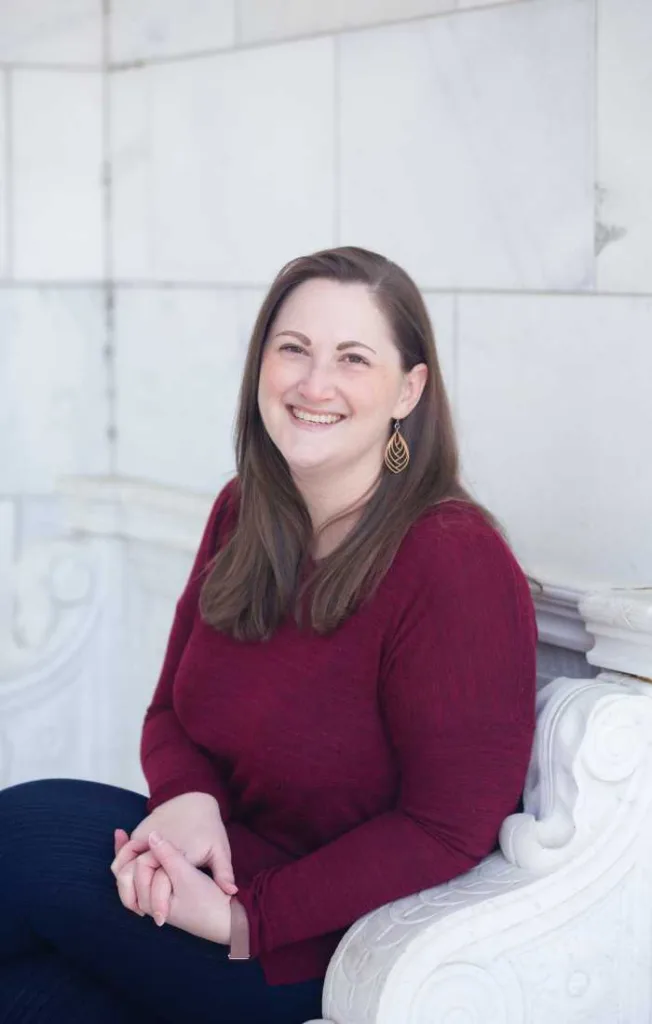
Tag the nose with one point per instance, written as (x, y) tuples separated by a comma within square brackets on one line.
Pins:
[(316, 384)]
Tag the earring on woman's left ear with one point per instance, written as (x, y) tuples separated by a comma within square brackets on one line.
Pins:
[(397, 453)]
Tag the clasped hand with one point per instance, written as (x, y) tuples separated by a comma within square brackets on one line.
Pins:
[(157, 868)]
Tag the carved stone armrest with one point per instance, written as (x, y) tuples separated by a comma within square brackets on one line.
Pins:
[(538, 923)]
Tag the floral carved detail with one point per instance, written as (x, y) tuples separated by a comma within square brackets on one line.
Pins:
[(57, 602)]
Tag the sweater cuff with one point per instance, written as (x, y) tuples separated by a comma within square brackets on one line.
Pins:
[(189, 784), (240, 944)]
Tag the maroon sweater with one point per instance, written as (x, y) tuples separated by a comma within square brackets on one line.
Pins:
[(359, 767)]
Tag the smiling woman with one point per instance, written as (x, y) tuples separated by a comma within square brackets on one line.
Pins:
[(341, 333), (345, 710)]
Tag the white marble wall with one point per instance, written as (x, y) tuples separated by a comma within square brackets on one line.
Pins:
[(54, 390), (161, 159), (38, 32), (553, 400), (499, 151), (179, 359)]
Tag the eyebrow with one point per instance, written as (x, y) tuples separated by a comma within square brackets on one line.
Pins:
[(340, 348)]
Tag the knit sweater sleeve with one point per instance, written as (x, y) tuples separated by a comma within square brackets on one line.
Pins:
[(457, 692), (171, 762)]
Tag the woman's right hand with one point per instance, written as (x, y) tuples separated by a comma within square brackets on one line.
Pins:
[(192, 822)]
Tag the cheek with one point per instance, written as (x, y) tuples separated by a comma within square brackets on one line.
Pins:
[(373, 397), (275, 379)]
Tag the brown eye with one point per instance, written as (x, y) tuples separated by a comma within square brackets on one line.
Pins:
[(291, 348)]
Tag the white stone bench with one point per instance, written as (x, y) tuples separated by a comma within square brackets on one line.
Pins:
[(557, 927)]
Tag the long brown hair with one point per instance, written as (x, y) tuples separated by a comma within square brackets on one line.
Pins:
[(257, 578)]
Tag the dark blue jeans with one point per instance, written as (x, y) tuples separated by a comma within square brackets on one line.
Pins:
[(71, 953)]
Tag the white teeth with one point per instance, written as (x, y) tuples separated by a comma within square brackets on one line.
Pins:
[(301, 415)]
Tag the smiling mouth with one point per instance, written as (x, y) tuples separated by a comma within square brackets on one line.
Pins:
[(315, 419)]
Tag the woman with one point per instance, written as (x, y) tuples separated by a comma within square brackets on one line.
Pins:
[(345, 710)]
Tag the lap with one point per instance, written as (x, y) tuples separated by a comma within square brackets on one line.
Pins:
[(56, 836), (56, 847)]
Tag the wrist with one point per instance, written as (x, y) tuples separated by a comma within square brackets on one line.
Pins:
[(239, 942)]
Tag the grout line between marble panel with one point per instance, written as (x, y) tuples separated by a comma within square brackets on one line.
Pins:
[(25, 66), (8, 167), (107, 170), (109, 364), (257, 44), (237, 24), (337, 135), (429, 289), (238, 286), (595, 141), (108, 262), (39, 283)]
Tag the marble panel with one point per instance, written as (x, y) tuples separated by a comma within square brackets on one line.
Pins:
[(248, 302), (4, 177), (53, 406), (441, 309), (624, 230), (57, 184), (278, 19), (555, 422), (142, 29), (223, 166), (179, 360), (466, 146), (7, 558), (66, 32)]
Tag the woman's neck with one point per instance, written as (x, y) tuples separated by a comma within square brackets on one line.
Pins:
[(325, 499)]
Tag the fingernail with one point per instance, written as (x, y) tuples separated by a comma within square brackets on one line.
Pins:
[(154, 837), (159, 919)]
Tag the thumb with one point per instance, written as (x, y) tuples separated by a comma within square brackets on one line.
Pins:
[(222, 872), (168, 856)]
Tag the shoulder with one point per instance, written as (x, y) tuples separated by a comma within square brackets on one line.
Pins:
[(453, 548), (451, 528), (222, 519), (455, 580), (225, 505), (229, 497)]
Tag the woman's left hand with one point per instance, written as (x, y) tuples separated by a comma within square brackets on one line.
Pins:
[(197, 905)]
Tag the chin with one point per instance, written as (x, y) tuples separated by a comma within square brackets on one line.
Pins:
[(306, 464)]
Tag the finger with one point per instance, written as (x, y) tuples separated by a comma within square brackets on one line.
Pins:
[(127, 891), (222, 872), (160, 895), (128, 853), (120, 838), (143, 874), (169, 857)]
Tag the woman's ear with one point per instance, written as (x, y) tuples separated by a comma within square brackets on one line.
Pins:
[(414, 382)]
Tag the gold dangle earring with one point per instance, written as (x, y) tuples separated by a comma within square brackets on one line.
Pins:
[(397, 453)]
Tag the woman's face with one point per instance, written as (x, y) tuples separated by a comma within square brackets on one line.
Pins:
[(330, 353)]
